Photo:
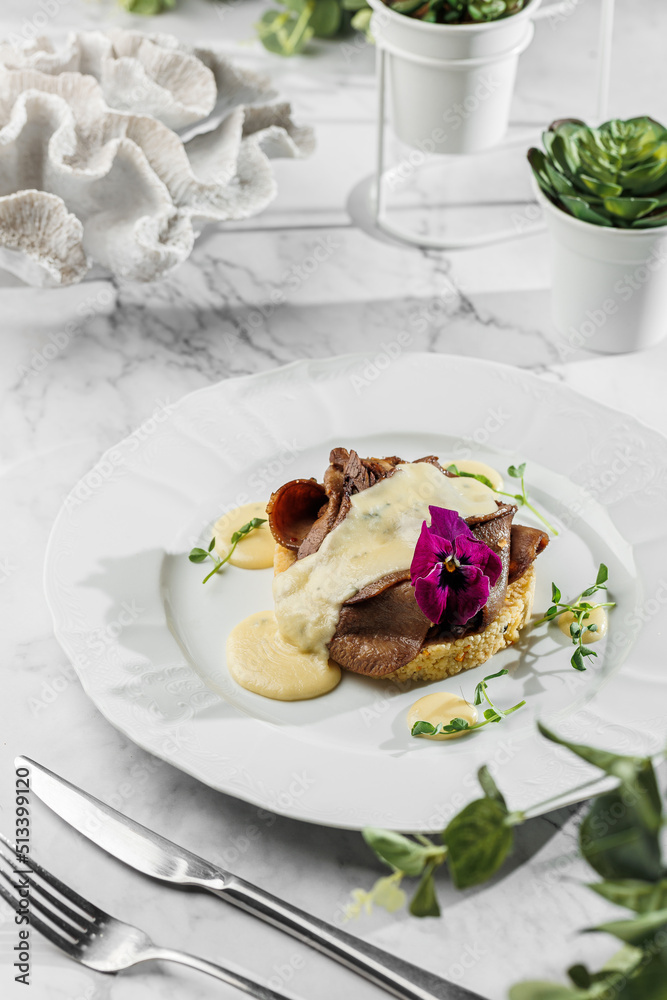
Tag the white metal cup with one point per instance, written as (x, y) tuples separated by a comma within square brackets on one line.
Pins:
[(609, 286), (451, 84)]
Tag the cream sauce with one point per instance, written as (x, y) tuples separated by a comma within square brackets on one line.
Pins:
[(477, 469), (440, 708), (259, 659), (377, 537), (255, 550), (596, 617)]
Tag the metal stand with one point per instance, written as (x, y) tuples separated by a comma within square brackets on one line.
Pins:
[(376, 182)]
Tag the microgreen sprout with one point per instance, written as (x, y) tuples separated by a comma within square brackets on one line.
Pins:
[(491, 714), (198, 555), (516, 472), (581, 612)]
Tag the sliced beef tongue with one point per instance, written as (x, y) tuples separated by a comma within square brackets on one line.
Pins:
[(526, 545), (347, 474), (495, 530), (382, 628), (378, 635), (364, 617), (293, 509)]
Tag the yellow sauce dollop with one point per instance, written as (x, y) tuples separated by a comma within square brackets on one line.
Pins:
[(596, 617), (259, 659), (255, 550), (439, 709)]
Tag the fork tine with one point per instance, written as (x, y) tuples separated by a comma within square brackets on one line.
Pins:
[(88, 908), (39, 925), (78, 919), (55, 918)]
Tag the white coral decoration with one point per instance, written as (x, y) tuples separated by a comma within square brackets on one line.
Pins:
[(117, 147)]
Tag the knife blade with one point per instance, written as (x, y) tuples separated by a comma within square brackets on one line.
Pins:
[(154, 855)]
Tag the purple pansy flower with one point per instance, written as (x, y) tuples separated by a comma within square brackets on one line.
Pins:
[(452, 572)]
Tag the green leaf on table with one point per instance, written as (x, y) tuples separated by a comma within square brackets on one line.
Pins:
[(615, 841), (398, 851), (538, 990), (639, 932), (649, 982), (580, 976), (633, 893), (635, 774), (425, 901), (489, 787), (516, 472), (478, 841)]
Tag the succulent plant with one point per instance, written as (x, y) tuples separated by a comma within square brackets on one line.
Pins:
[(457, 11), (614, 175)]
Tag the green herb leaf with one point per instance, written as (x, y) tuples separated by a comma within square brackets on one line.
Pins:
[(636, 775), (615, 841), (638, 932), (397, 850), (480, 690), (635, 894), (538, 990), (425, 901), (489, 787), (555, 595), (577, 660), (516, 472), (423, 729), (198, 555), (478, 841), (455, 471), (580, 976)]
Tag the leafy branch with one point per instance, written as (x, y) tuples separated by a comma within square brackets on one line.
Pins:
[(619, 837), (198, 555), (516, 472), (581, 612), (491, 714)]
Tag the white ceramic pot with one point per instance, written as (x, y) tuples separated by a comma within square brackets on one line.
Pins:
[(451, 84), (609, 286)]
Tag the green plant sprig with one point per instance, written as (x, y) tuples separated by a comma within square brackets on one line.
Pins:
[(581, 611), (491, 714), (516, 472), (198, 555), (626, 857)]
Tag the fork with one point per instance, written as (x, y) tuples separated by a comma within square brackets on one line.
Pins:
[(94, 938)]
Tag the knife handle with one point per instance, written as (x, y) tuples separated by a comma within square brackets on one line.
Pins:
[(403, 980)]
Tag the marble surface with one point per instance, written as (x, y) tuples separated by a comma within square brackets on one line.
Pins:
[(82, 367)]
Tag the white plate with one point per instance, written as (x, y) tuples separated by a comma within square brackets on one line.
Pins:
[(148, 640)]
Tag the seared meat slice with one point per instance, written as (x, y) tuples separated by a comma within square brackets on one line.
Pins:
[(381, 634), (527, 543)]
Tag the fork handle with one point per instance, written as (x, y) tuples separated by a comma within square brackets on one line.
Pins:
[(241, 982), (403, 980)]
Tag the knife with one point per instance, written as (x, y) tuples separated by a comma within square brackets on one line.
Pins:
[(154, 855)]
